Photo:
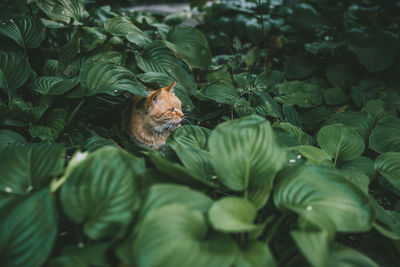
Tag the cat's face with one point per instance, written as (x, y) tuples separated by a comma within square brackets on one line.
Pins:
[(164, 109)]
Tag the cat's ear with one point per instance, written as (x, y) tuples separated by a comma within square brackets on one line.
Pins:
[(155, 96), (170, 88)]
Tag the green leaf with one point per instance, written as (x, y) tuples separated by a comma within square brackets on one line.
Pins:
[(44, 133), (335, 96), (314, 154), (101, 191), (378, 110), (190, 45), (221, 92), (52, 85), (343, 75), (28, 230), (244, 153), (233, 215), (156, 57), (259, 195), (304, 138), (8, 138), (193, 245), (50, 67), (190, 136), (63, 10), (299, 66), (340, 142), (27, 32), (256, 254), (260, 103), (14, 71), (387, 222), (121, 27), (367, 89), (29, 166), (164, 194), (90, 38), (298, 93), (268, 79), (344, 256), (375, 51), (218, 73), (107, 77), (324, 197), (362, 163), (313, 245), (386, 136), (357, 177), (56, 119), (180, 173), (358, 121), (388, 165), (306, 18), (317, 47), (196, 160)]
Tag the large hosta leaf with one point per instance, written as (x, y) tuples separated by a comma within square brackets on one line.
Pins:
[(304, 138), (53, 85), (63, 10), (306, 18), (358, 121), (221, 92), (197, 161), (233, 214), (29, 166), (107, 77), (156, 57), (14, 71), (298, 93), (164, 194), (244, 152), (182, 174), (100, 191), (325, 198), (344, 256), (192, 244), (8, 138), (190, 45), (335, 96), (28, 230), (388, 165), (375, 51), (314, 246), (314, 154), (300, 66), (190, 136), (256, 254), (340, 142), (386, 136), (121, 27), (342, 75), (25, 31)]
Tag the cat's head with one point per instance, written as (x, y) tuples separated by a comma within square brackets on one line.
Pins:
[(164, 109)]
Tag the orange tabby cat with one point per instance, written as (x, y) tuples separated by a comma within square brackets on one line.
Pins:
[(149, 121)]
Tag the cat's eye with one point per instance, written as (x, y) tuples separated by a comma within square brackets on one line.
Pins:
[(171, 109)]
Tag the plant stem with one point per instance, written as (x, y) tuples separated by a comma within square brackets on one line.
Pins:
[(274, 227), (58, 183), (74, 112)]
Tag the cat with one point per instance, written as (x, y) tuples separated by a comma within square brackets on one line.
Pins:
[(150, 120)]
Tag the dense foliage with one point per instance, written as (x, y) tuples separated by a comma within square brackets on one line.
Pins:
[(290, 154)]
